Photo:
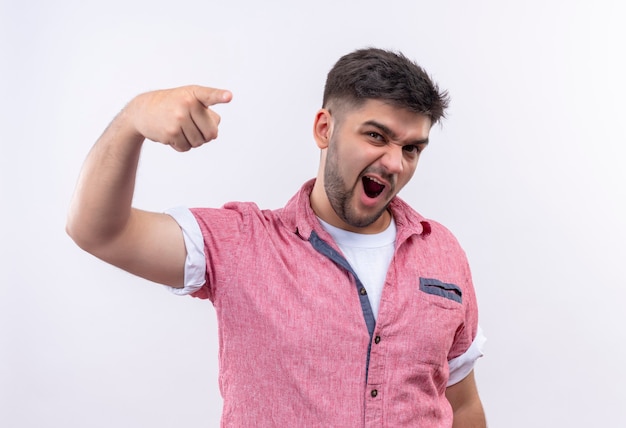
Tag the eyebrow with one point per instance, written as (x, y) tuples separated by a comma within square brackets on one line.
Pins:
[(386, 130)]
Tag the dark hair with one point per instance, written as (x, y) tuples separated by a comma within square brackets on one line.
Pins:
[(384, 75)]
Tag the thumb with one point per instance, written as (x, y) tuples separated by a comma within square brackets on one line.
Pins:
[(210, 96)]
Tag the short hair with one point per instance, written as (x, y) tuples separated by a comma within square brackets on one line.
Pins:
[(387, 76)]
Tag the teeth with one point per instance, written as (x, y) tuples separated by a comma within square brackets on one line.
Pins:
[(374, 180)]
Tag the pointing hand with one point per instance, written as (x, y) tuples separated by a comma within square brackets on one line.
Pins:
[(180, 117)]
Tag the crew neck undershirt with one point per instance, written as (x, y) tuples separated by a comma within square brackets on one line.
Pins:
[(369, 255)]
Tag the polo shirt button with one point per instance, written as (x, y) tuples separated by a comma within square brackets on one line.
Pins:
[(377, 340), (363, 291), (374, 393)]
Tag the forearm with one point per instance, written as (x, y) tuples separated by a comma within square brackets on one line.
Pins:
[(101, 204), (470, 415), (466, 405)]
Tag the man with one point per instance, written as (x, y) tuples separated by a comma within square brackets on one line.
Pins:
[(344, 308)]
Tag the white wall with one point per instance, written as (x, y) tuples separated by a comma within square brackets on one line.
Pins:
[(527, 171)]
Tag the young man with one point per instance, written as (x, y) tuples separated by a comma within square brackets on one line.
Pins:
[(344, 308)]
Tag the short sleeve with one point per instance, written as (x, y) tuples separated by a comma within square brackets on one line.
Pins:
[(195, 263), (462, 365)]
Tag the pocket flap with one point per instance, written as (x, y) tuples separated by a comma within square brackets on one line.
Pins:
[(438, 288)]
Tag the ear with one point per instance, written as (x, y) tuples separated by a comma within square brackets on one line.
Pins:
[(322, 128)]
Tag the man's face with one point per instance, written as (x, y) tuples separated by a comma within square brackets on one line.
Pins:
[(372, 153)]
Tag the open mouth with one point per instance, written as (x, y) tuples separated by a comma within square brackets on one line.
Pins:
[(372, 187)]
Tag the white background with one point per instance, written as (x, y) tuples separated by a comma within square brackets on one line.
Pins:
[(527, 171)]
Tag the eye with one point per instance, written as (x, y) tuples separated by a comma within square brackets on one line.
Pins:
[(411, 148), (375, 135)]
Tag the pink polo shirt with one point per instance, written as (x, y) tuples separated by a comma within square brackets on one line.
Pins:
[(299, 345)]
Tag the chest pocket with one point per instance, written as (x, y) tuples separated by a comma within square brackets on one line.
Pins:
[(440, 315), (438, 288)]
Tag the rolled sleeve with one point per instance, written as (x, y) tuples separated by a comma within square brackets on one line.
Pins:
[(195, 263), (462, 365)]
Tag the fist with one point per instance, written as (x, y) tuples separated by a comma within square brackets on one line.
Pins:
[(180, 117)]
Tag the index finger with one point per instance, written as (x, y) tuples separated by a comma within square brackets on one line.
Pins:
[(211, 96)]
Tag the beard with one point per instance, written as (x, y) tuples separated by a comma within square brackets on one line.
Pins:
[(341, 196)]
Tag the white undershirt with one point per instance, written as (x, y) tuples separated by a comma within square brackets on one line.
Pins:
[(369, 255)]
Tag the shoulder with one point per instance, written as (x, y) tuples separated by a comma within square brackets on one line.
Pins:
[(235, 214)]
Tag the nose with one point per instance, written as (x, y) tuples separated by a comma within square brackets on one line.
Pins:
[(392, 159)]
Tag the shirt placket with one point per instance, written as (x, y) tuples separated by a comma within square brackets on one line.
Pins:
[(374, 372), (374, 391)]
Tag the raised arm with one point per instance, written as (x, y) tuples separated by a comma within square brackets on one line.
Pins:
[(101, 219)]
